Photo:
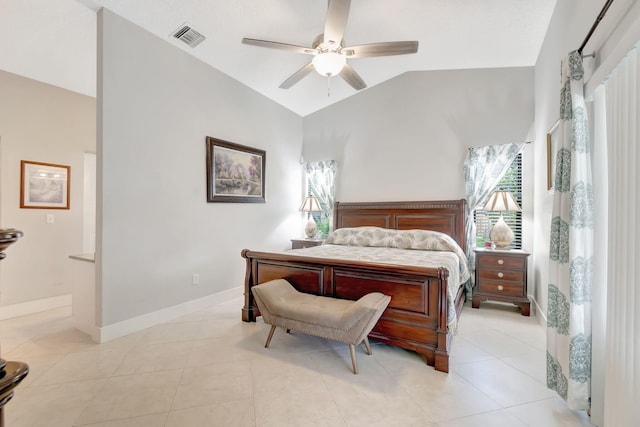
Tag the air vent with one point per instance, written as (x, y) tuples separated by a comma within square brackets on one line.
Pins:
[(188, 35)]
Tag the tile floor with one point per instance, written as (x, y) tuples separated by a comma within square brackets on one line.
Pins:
[(211, 369)]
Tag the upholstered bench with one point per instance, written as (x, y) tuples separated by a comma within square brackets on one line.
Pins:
[(337, 319)]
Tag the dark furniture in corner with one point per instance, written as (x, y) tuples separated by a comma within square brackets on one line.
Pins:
[(11, 373), (501, 275)]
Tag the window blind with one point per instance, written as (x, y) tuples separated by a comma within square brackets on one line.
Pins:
[(512, 182)]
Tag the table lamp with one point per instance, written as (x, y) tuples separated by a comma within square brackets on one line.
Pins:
[(501, 201), (310, 204)]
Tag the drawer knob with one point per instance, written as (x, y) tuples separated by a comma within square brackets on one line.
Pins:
[(501, 274), (500, 261), (500, 287)]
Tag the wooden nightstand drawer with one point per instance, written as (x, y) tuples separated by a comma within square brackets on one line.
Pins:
[(305, 243), (501, 261), (497, 287), (516, 276)]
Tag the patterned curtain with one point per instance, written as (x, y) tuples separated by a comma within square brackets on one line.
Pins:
[(321, 177), (571, 250), (484, 167)]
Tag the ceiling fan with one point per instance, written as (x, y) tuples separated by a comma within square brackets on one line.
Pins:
[(328, 50)]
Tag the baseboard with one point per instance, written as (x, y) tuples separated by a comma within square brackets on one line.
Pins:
[(135, 324), (540, 315), (30, 307)]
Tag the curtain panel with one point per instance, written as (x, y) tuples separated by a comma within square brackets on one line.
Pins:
[(321, 177), (571, 248), (484, 167), (618, 99)]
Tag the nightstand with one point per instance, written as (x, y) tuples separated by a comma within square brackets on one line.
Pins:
[(305, 243), (501, 275)]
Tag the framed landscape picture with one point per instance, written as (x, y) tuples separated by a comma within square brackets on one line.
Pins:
[(44, 185), (235, 173)]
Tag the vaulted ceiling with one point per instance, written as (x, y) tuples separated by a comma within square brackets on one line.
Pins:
[(54, 41)]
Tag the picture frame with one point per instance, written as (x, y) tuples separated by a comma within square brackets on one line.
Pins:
[(44, 185), (235, 173), (552, 148)]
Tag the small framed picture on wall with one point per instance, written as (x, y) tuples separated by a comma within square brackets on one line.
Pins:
[(552, 149), (44, 185)]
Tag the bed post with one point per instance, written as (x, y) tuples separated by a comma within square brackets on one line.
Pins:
[(442, 349), (248, 311)]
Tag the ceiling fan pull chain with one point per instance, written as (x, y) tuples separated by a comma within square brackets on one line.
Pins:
[(328, 86)]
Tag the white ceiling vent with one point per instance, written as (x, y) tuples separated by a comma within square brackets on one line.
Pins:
[(188, 35)]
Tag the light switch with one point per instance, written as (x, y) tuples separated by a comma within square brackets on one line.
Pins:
[(50, 219)]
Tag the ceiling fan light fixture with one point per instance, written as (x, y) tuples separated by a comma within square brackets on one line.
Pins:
[(329, 63), (330, 52)]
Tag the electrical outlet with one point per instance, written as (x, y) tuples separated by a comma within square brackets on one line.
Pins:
[(195, 279)]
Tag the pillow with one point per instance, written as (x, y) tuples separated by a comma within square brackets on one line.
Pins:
[(428, 240), (360, 236), (403, 239)]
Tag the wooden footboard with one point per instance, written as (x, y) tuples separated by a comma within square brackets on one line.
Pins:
[(416, 318)]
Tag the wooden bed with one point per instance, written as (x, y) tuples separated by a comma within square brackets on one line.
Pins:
[(416, 318)]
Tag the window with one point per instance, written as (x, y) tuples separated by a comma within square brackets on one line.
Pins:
[(321, 218), (320, 182), (512, 182)]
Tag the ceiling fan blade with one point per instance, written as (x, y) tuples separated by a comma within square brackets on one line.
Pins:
[(381, 49), (337, 15), (278, 45), (350, 76), (297, 76)]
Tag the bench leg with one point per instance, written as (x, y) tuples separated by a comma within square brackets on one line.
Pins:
[(273, 329), (367, 346), (352, 350)]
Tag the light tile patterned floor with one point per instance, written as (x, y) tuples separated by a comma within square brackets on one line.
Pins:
[(211, 369)]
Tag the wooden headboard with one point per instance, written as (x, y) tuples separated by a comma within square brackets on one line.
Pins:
[(445, 216)]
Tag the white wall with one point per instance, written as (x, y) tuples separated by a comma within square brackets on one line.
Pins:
[(47, 124), (406, 139), (156, 105)]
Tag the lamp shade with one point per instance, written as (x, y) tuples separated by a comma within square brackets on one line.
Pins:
[(329, 63), (310, 204), (501, 201)]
